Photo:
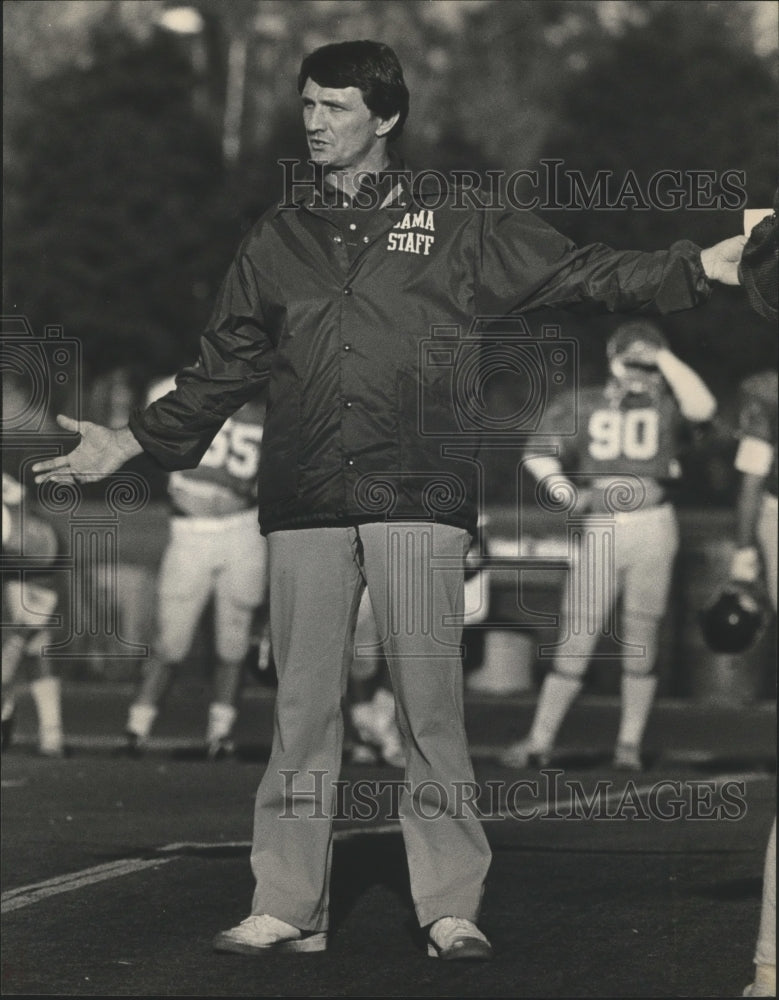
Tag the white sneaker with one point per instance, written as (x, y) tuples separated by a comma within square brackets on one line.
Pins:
[(219, 749), (457, 938), (754, 990), (524, 754), (51, 743), (627, 757), (267, 933), (764, 984)]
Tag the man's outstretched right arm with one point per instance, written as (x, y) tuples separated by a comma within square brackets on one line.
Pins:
[(235, 355), (101, 451)]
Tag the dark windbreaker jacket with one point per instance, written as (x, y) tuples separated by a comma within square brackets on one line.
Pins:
[(365, 400)]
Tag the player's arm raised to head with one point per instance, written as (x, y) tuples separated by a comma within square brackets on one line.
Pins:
[(695, 399)]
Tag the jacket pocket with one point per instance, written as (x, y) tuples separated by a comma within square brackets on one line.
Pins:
[(437, 478), (425, 414), (279, 473)]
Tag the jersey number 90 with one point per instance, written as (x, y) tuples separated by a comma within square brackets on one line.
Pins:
[(632, 434)]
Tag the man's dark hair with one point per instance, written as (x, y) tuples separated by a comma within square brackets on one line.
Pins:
[(372, 67)]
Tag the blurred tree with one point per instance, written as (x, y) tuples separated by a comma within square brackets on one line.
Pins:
[(508, 68), (120, 217), (116, 224), (670, 91)]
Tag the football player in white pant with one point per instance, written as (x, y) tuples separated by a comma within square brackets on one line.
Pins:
[(215, 549), (371, 701), (626, 445), (29, 600), (756, 542), (372, 710)]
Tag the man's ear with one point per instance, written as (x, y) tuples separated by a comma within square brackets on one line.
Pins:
[(386, 125)]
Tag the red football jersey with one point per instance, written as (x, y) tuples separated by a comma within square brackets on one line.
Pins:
[(232, 459), (618, 434), (229, 466)]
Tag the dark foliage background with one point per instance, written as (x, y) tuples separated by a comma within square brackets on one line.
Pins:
[(122, 211)]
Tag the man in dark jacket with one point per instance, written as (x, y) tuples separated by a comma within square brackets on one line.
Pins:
[(366, 476)]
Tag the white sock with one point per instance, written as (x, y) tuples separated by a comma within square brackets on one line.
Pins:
[(220, 720), (13, 649), (638, 695), (47, 695), (140, 719), (9, 706), (558, 693)]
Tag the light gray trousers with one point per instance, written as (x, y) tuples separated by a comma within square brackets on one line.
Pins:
[(414, 574)]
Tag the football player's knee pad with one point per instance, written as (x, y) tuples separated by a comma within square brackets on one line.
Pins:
[(233, 632), (640, 653), (639, 668), (573, 672), (170, 653), (639, 628)]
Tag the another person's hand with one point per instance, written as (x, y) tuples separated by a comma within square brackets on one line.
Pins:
[(100, 452), (721, 261)]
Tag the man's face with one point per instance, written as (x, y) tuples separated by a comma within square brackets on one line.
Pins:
[(340, 130)]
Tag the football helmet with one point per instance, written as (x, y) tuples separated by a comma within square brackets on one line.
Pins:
[(630, 351), (733, 621)]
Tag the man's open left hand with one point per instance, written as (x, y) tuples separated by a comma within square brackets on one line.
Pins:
[(721, 261)]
